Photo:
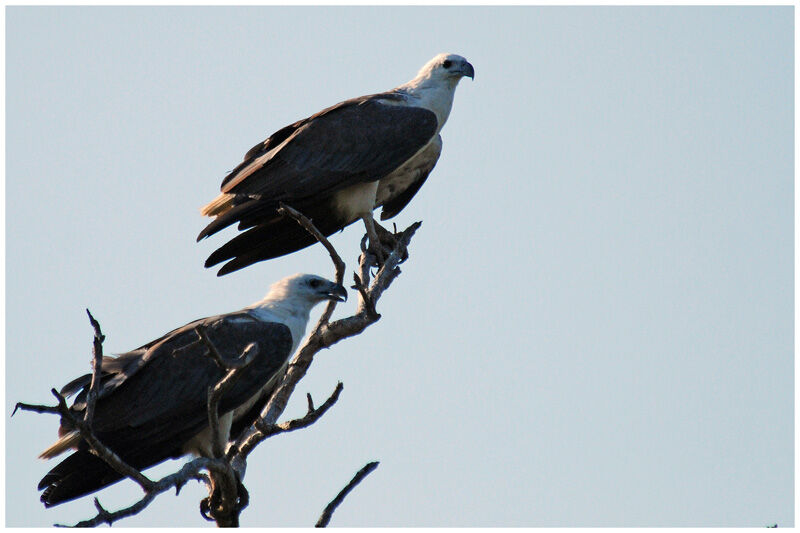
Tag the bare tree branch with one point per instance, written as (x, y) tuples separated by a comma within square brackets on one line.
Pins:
[(338, 264), (97, 365), (323, 336), (35, 408), (227, 495), (326, 515), (312, 416), (365, 301), (216, 392), (98, 447), (189, 471), (225, 501), (228, 363), (84, 426)]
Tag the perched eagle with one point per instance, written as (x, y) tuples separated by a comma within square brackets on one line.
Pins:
[(335, 167), (152, 404)]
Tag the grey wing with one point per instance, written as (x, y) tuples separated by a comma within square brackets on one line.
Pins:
[(357, 140), (163, 403), (122, 366)]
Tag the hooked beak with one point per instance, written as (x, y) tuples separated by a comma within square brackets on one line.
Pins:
[(337, 293), (468, 70)]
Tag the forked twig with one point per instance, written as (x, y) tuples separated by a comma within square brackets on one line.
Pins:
[(311, 416)]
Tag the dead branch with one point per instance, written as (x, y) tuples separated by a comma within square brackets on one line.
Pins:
[(227, 495), (324, 335), (365, 301), (97, 365), (100, 449), (190, 471), (326, 515), (216, 392), (226, 500), (84, 425), (338, 264), (311, 416), (226, 363)]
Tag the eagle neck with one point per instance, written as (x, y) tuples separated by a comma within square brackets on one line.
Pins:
[(434, 95), (293, 313)]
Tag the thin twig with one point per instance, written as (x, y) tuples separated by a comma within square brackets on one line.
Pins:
[(84, 425), (97, 366), (226, 363), (310, 402), (189, 471), (227, 497), (323, 336), (102, 451), (36, 408), (312, 416), (216, 392), (338, 264), (325, 518), (365, 262), (365, 303)]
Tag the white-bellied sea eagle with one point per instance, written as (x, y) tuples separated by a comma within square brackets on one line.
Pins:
[(152, 404), (335, 167)]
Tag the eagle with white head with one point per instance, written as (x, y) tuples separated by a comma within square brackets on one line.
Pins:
[(152, 403), (336, 167)]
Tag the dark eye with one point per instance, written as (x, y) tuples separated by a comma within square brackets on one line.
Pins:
[(314, 283), (447, 63)]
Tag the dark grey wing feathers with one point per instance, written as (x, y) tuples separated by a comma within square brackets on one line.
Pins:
[(120, 367), (153, 399), (357, 140), (166, 393), (303, 165)]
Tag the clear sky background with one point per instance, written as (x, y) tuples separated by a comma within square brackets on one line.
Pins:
[(595, 327)]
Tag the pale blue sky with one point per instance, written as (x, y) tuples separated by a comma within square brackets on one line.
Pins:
[(596, 324)]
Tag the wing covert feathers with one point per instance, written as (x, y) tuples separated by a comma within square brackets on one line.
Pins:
[(153, 400)]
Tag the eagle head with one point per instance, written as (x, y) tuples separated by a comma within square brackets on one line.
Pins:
[(447, 67), (308, 287)]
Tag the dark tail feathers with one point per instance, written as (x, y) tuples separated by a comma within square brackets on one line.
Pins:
[(273, 238), (79, 474)]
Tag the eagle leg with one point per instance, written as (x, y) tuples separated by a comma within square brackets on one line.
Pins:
[(375, 246)]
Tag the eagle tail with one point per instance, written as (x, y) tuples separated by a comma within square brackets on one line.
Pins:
[(79, 474), (70, 440), (218, 205), (247, 214), (277, 237)]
